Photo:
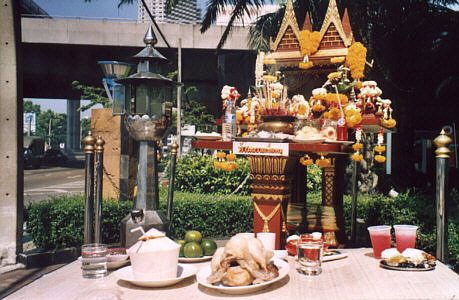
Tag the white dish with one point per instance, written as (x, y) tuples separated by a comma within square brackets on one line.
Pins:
[(208, 136), (308, 141), (238, 290), (280, 254), (339, 142), (114, 264), (194, 259), (183, 271)]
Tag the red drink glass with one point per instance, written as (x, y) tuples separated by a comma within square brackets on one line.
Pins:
[(405, 236), (380, 239)]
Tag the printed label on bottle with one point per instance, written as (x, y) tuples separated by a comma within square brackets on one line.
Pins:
[(230, 118)]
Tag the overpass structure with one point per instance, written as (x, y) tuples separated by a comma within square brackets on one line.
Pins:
[(59, 50)]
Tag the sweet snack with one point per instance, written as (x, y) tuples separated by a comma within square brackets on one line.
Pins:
[(408, 259)]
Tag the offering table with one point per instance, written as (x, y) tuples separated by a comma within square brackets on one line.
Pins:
[(357, 276), (278, 180)]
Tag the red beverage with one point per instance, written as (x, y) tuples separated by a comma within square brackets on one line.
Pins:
[(405, 237), (380, 239)]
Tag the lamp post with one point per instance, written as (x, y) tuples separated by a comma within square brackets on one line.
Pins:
[(148, 115)]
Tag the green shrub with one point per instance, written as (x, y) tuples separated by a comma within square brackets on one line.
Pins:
[(58, 223), (196, 173)]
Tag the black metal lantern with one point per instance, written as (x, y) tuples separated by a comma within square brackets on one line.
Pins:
[(148, 95)]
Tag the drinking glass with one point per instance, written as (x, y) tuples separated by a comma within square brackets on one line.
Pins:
[(380, 239), (405, 236), (94, 260), (310, 252)]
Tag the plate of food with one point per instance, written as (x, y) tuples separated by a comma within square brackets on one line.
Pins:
[(183, 271), (409, 260), (183, 259), (202, 276), (242, 266)]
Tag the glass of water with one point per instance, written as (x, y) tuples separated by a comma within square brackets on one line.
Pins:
[(94, 260), (310, 252)]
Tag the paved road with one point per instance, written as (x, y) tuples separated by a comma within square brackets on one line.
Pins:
[(40, 184)]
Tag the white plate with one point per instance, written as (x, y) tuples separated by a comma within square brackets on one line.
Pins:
[(194, 259), (183, 271), (238, 290), (309, 141), (280, 254), (339, 142), (114, 264)]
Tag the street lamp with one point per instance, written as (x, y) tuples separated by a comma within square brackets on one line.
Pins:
[(148, 117)]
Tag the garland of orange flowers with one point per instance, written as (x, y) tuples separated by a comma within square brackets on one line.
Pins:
[(356, 59), (306, 65), (332, 114), (353, 116), (306, 160), (357, 156), (379, 147), (309, 42), (228, 165), (323, 162), (333, 98)]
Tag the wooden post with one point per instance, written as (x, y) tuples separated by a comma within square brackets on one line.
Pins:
[(442, 152)]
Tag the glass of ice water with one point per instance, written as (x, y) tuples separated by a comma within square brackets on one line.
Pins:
[(310, 252), (94, 260)]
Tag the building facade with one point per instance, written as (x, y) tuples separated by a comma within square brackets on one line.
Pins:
[(185, 12)]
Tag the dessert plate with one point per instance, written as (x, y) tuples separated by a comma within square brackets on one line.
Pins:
[(384, 265), (238, 290), (183, 271), (333, 254), (194, 259)]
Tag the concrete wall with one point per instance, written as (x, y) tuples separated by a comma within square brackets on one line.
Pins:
[(11, 175), (106, 33)]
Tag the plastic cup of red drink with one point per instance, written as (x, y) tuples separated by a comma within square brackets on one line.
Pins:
[(380, 239), (405, 236)]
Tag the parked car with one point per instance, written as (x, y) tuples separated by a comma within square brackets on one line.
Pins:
[(55, 156), (34, 147)]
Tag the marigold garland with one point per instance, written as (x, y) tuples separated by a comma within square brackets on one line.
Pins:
[(306, 65), (353, 117), (269, 62), (357, 157), (380, 158), (221, 155), (230, 156), (306, 160), (318, 108), (269, 77), (357, 146), (389, 123), (333, 114), (337, 60), (309, 42), (334, 75), (380, 148), (355, 59), (358, 86), (331, 98), (322, 162)]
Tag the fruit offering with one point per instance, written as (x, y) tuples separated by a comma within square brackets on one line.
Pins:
[(194, 246)]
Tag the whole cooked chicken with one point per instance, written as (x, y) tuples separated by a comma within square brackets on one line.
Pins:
[(243, 261)]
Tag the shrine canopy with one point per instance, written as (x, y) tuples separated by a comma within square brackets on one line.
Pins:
[(335, 38)]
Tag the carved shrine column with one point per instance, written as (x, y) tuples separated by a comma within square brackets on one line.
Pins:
[(271, 191)]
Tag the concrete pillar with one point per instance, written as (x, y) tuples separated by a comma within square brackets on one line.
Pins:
[(11, 152), (73, 126)]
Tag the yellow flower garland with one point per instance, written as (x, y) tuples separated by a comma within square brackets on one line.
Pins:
[(389, 123), (231, 156), (380, 148), (355, 60), (309, 42), (357, 157), (380, 158), (357, 146), (337, 60), (306, 160), (331, 98), (306, 65)]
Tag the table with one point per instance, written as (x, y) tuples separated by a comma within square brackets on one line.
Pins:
[(278, 180), (356, 277)]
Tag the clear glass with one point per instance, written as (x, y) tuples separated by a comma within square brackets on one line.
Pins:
[(94, 260), (310, 253), (405, 236), (380, 239)]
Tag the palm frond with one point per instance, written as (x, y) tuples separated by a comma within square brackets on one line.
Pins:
[(265, 27)]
